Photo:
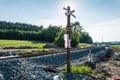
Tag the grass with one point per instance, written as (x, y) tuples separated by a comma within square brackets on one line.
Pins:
[(83, 45), (21, 43), (25, 44), (116, 46), (32, 51), (38, 51), (78, 69), (81, 69)]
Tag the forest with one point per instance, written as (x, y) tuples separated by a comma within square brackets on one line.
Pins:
[(52, 33)]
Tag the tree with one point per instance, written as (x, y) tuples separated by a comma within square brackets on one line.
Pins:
[(24, 31), (59, 40), (49, 33), (76, 29), (76, 33), (85, 38), (19, 26)]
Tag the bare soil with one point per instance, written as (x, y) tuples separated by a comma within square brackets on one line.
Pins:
[(110, 68)]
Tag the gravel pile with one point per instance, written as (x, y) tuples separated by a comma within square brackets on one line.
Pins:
[(32, 68), (23, 69)]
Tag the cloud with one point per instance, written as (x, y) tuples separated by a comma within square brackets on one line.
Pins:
[(107, 31)]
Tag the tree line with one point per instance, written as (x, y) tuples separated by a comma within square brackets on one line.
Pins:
[(18, 26), (22, 31), (78, 35)]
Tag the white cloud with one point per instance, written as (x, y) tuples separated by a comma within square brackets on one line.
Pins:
[(107, 31)]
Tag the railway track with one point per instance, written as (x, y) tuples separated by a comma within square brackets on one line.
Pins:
[(32, 66), (38, 54)]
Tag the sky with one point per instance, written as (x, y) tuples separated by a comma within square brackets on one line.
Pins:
[(101, 18)]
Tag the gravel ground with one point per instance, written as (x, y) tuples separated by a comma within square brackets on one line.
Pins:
[(32, 68), (23, 69), (112, 67)]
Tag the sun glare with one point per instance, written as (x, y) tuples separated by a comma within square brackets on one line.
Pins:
[(66, 3), (69, 3), (61, 12)]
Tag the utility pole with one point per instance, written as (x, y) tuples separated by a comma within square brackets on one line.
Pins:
[(68, 28)]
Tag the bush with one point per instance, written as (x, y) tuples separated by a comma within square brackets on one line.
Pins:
[(81, 69), (74, 42), (59, 40)]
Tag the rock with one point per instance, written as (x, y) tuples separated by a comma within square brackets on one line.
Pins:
[(57, 77)]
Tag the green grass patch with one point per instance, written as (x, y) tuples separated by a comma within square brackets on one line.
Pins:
[(21, 44), (24, 52), (32, 51), (81, 69), (116, 46), (38, 51), (83, 45)]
